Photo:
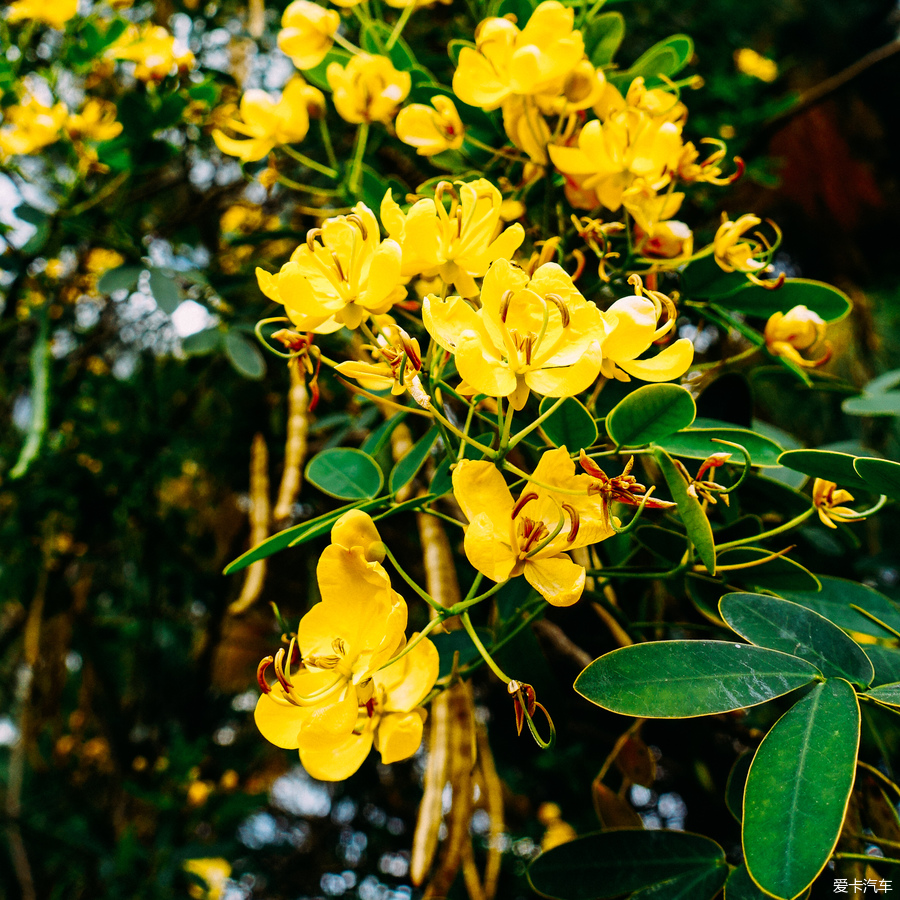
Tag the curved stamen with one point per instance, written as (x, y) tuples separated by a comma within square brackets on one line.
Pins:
[(337, 265), (576, 522), (261, 674), (311, 236), (550, 537), (557, 301), (358, 222), (520, 505), (504, 304)]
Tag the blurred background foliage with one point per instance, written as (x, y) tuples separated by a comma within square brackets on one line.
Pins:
[(127, 690)]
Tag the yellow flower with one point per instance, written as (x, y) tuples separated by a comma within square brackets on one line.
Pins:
[(827, 499), (102, 259), (343, 273), (459, 245), (506, 61), (267, 123), (527, 128), (343, 696), (756, 66), (215, 871), (709, 170), (634, 327), (307, 33), (369, 89), (95, 122), (655, 233), (29, 126), (532, 535), (798, 329), (535, 334), (153, 50), (736, 253), (610, 155), (430, 130), (54, 13), (653, 102)]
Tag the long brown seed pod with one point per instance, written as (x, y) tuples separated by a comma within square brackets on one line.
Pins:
[(428, 822), (493, 794), (294, 446), (437, 558), (259, 524), (401, 442)]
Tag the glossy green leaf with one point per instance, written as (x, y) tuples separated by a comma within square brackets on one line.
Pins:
[(830, 303), (378, 439), (886, 661), (244, 355), (441, 481), (827, 464), (737, 781), (781, 625), (779, 574), (668, 58), (620, 861), (886, 693), (885, 382), (866, 404), (703, 884), (881, 475), (345, 473), (603, 36), (697, 443), (705, 278), (690, 511), (317, 76), (296, 534), (798, 788), (836, 600), (122, 278), (165, 290), (740, 886), (680, 679), (202, 342), (570, 426), (650, 413), (408, 466)]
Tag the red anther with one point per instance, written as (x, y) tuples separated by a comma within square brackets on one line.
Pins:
[(576, 522), (741, 168), (520, 505), (261, 674)]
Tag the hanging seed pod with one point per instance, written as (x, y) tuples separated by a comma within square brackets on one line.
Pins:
[(492, 791), (294, 446), (440, 571)]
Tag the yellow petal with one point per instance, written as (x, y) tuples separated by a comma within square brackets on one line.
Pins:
[(337, 759), (355, 528), (478, 362), (478, 486), (447, 319), (407, 682), (566, 381), (399, 735), (279, 724), (487, 550), (330, 720), (557, 579), (672, 362)]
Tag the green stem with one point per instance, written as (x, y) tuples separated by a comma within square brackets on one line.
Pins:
[(466, 427), (401, 24), (40, 393), (402, 573), (440, 515), (507, 426), (304, 160), (470, 630), (457, 608), (865, 856), (535, 424), (362, 136), (341, 41), (326, 141), (414, 642), (787, 526)]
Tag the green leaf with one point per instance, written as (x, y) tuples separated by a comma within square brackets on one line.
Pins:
[(381, 436), (294, 535), (571, 425), (661, 542), (408, 466), (740, 886), (781, 625), (345, 473), (202, 342), (704, 884), (697, 443), (681, 679), (650, 413), (618, 861), (668, 58), (886, 693), (690, 511), (827, 464), (374, 39), (881, 475), (706, 278), (886, 661), (779, 574), (603, 36), (798, 788), (441, 482), (458, 641), (122, 278), (244, 355), (317, 76), (166, 293), (734, 787), (836, 599), (866, 404), (823, 299)]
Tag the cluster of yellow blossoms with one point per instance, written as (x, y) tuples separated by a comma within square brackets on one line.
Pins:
[(357, 682)]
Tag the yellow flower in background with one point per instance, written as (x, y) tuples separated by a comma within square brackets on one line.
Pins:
[(307, 33), (633, 324), (531, 334), (656, 234), (343, 273), (431, 129), (755, 65), (458, 245), (531, 536), (268, 123), (95, 122), (102, 259), (369, 89), (54, 13), (153, 50), (507, 60), (215, 871), (611, 155), (735, 252), (30, 126), (798, 329), (654, 102), (527, 128), (827, 499)]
